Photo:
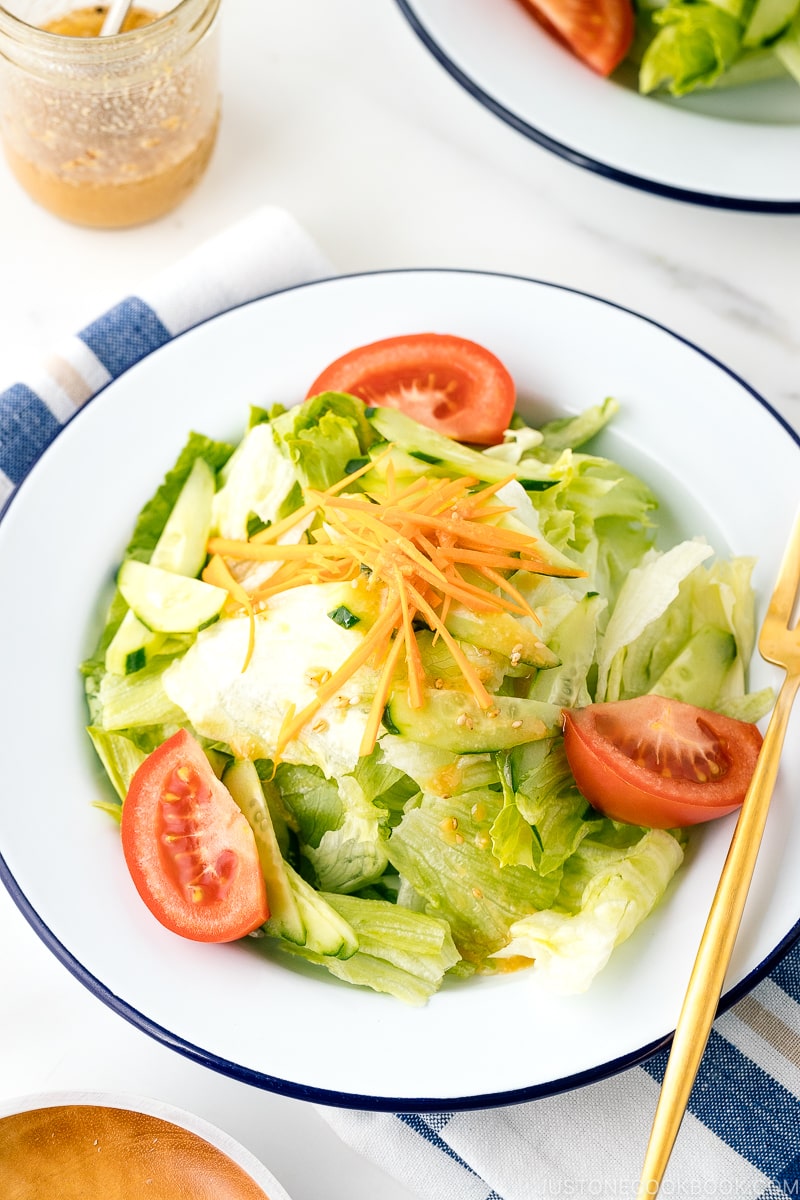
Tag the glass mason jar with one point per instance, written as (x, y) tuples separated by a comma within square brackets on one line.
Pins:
[(109, 131)]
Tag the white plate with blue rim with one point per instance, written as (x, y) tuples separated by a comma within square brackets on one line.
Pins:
[(724, 465), (736, 148)]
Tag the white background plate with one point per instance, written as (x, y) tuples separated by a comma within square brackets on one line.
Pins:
[(725, 467), (731, 148)]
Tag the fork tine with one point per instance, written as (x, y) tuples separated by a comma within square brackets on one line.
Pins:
[(783, 597)]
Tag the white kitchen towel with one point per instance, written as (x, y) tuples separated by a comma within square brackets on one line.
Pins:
[(263, 253)]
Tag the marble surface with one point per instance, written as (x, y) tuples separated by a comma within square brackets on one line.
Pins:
[(337, 113)]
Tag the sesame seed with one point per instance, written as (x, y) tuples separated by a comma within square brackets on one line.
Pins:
[(319, 726), (477, 893), (516, 724), (461, 719), (438, 683)]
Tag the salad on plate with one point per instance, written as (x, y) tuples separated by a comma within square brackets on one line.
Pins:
[(406, 687), (680, 45)]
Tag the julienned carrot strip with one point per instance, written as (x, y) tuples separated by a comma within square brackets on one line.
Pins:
[(500, 581), (479, 598), (416, 673), (247, 551), (538, 566), (382, 691), (372, 640), (491, 488), (273, 532), (216, 572), (465, 666)]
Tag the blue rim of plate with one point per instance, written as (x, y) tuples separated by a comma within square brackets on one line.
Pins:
[(326, 1096), (576, 157)]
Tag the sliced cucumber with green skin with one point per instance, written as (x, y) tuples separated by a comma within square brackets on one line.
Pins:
[(501, 633), (181, 548), (326, 931), (696, 675), (242, 781), (182, 545), (768, 18), (132, 646), (454, 721), (442, 451), (168, 603)]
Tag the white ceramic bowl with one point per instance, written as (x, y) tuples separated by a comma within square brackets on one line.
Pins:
[(725, 466), (735, 148)]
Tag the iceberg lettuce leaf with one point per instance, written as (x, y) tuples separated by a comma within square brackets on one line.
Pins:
[(339, 829), (608, 890), (443, 849), (695, 45)]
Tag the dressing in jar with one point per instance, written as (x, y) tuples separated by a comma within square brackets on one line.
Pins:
[(109, 131)]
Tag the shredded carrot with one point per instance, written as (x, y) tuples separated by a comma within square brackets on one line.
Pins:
[(370, 735), (427, 546), (216, 572)]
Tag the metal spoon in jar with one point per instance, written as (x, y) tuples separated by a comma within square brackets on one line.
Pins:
[(115, 16)]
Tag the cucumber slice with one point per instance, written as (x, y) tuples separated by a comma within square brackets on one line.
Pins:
[(242, 781), (697, 674), (327, 932), (168, 603), (181, 549), (501, 633), (132, 646), (439, 451), (454, 721), (182, 545), (767, 20)]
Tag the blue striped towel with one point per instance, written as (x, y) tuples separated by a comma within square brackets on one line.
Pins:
[(260, 254), (740, 1139), (741, 1136)]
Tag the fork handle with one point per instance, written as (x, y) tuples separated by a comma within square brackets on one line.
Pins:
[(708, 973)]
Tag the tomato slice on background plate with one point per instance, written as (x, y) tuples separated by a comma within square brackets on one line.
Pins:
[(599, 32), (447, 383), (190, 851), (658, 762)]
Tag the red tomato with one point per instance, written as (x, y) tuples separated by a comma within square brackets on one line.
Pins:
[(189, 848), (599, 32), (657, 762), (447, 383)]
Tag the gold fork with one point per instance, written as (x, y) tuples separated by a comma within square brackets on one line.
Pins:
[(780, 644)]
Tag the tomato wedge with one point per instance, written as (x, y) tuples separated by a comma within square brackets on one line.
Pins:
[(599, 32), (447, 383), (190, 851), (658, 762)]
